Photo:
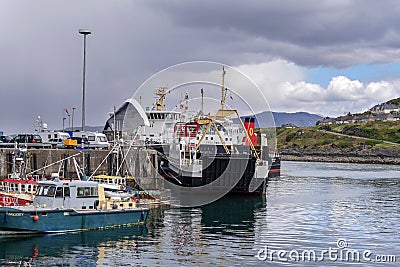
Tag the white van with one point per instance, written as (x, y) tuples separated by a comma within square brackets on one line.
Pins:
[(56, 139), (94, 139)]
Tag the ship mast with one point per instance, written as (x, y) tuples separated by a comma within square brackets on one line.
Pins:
[(223, 89), (202, 102), (161, 92)]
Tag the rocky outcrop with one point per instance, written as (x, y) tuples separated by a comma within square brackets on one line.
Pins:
[(381, 156)]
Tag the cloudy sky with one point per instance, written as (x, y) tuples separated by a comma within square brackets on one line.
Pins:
[(324, 57)]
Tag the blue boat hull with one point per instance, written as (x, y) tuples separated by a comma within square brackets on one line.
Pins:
[(52, 221)]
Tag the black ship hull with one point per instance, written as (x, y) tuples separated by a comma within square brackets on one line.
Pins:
[(235, 171)]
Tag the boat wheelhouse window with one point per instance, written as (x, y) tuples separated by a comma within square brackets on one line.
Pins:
[(13, 187), (46, 190), (66, 192), (59, 192), (87, 191)]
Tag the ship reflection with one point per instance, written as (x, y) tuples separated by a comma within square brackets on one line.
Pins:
[(23, 250), (232, 215)]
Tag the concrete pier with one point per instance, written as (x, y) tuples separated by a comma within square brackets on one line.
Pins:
[(140, 163)]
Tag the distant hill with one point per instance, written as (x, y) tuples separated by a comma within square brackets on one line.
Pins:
[(281, 118), (98, 129), (298, 118), (395, 101)]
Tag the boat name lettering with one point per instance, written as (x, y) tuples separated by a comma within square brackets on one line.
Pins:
[(15, 214)]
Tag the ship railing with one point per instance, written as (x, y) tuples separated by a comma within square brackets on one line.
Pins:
[(188, 162)]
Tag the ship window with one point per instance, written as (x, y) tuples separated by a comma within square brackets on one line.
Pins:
[(66, 192), (46, 191), (59, 192), (87, 191), (51, 191), (212, 138)]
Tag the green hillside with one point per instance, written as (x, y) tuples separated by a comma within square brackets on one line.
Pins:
[(370, 135), (395, 101)]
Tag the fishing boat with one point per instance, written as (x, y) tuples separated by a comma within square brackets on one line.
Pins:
[(19, 187), (15, 191), (70, 205)]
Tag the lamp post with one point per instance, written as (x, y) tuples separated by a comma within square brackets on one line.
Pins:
[(73, 111), (85, 33), (63, 123)]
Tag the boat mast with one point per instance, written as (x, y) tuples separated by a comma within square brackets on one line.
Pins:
[(223, 89), (202, 102), (161, 92)]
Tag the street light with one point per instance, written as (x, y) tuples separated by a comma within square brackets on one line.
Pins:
[(63, 123), (84, 32)]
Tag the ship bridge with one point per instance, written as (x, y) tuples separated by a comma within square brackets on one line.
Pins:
[(126, 119)]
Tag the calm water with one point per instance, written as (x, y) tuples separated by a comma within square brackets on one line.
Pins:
[(311, 208)]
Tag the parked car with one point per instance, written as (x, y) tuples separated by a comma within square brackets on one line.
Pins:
[(28, 138), (5, 139)]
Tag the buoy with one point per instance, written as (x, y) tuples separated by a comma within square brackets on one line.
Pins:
[(35, 218)]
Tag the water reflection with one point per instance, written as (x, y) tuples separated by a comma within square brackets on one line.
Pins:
[(232, 215), (77, 249), (303, 210)]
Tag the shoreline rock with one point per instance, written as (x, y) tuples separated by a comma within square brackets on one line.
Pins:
[(370, 156)]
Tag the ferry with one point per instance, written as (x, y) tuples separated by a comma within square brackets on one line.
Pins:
[(70, 205), (194, 149)]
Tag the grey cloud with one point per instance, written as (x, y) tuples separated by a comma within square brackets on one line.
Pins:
[(41, 50), (308, 30)]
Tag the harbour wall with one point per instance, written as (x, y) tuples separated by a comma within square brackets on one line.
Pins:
[(44, 162)]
